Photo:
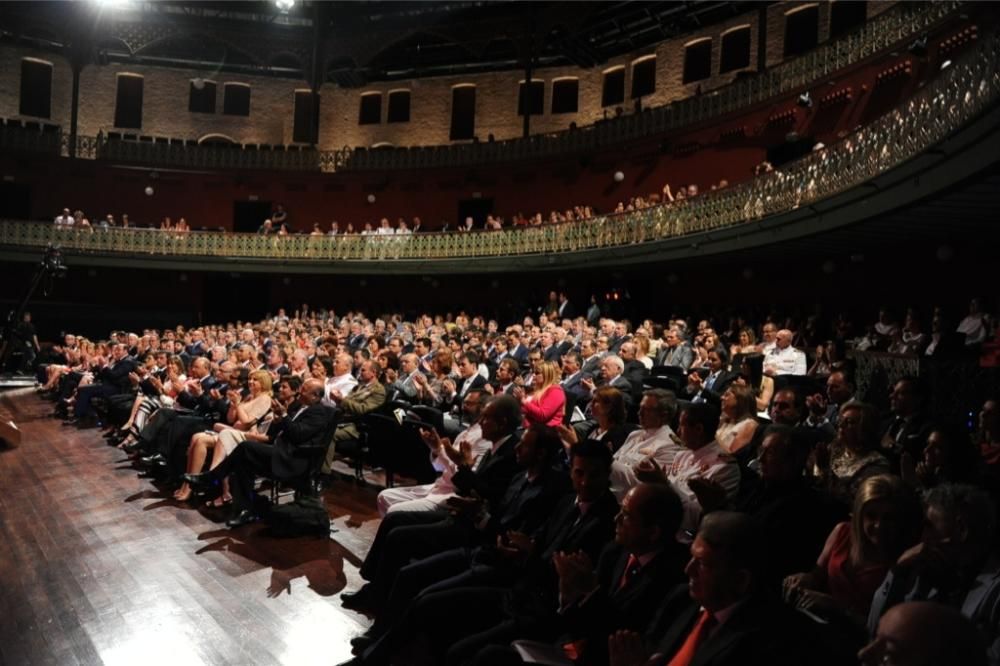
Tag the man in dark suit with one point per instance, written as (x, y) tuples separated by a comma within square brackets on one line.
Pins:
[(709, 388), (908, 428), (406, 535), (566, 309), (516, 349), (572, 378), (110, 380), (590, 360), (731, 616), (311, 426)]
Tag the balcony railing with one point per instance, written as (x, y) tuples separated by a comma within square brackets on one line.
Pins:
[(894, 26), (955, 97)]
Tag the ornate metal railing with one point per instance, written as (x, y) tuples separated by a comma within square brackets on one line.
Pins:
[(955, 97), (894, 26)]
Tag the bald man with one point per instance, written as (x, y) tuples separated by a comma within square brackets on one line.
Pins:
[(784, 359), (924, 633)]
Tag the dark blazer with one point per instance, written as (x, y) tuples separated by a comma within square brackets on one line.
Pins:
[(566, 310), (574, 387), (536, 594), (527, 504), (614, 606), (314, 427), (520, 353), (116, 375), (204, 404), (591, 366), (713, 395), (490, 480), (476, 381), (553, 354), (760, 632)]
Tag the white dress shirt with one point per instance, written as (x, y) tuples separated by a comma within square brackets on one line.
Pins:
[(709, 462), (787, 361), (661, 444)]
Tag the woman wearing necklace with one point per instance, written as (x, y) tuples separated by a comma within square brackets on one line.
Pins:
[(853, 456)]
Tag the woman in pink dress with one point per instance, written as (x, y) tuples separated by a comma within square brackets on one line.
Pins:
[(547, 403)]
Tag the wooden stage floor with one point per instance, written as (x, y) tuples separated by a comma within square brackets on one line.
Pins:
[(99, 567)]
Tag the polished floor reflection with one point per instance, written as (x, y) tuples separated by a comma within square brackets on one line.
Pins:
[(98, 566)]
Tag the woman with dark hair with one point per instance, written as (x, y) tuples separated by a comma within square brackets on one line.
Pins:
[(608, 409), (948, 457), (885, 521), (853, 456), (752, 374), (737, 423)]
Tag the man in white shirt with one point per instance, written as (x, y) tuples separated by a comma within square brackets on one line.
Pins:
[(65, 218), (343, 382), (432, 496), (704, 468), (784, 359), (654, 440)]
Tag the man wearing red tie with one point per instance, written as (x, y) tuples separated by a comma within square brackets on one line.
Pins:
[(735, 619)]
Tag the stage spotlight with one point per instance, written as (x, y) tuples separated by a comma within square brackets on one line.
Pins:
[(149, 191), (619, 176), (371, 198), (284, 6), (805, 100)]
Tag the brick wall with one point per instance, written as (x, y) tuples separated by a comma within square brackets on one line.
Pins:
[(165, 92)]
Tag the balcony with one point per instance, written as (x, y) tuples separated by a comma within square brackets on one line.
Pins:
[(843, 181)]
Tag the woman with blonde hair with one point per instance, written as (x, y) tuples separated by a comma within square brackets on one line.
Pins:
[(245, 417), (738, 422), (547, 403), (885, 521)]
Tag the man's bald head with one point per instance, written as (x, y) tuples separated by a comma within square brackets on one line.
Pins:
[(923, 633)]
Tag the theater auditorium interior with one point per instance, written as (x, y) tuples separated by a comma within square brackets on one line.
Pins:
[(480, 333)]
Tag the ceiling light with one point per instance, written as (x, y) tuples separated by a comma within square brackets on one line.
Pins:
[(284, 5)]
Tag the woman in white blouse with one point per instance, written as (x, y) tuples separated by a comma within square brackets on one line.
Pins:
[(737, 423)]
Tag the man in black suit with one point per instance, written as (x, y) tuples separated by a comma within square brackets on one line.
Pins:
[(907, 430), (731, 616), (515, 348), (406, 535), (590, 360), (310, 426), (711, 387), (573, 378), (110, 380)]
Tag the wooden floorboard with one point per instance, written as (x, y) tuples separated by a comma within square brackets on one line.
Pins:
[(98, 566)]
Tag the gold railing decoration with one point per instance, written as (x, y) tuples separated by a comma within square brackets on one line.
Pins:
[(956, 96)]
